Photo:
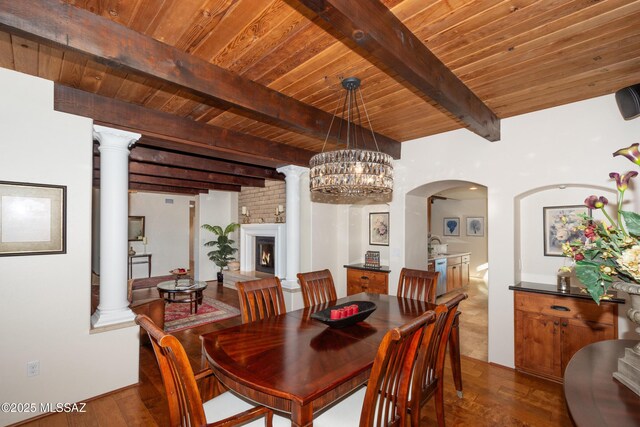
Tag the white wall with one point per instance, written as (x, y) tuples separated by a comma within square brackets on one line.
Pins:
[(215, 208), (462, 209), (166, 228), (563, 145), (45, 299), (359, 233), (535, 266), (415, 228)]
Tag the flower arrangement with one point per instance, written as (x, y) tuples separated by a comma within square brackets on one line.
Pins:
[(610, 249)]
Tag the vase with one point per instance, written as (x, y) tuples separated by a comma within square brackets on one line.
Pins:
[(220, 277), (628, 372)]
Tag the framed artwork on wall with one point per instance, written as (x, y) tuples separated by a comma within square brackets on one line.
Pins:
[(32, 219), (560, 225), (475, 226), (379, 228), (136, 228), (451, 226)]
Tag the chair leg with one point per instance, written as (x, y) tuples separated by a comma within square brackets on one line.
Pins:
[(439, 401)]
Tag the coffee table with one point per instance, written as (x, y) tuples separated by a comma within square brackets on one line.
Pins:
[(183, 291)]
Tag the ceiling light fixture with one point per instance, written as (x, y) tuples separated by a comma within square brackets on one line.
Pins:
[(353, 172)]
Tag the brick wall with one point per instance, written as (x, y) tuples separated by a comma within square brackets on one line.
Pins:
[(262, 202)]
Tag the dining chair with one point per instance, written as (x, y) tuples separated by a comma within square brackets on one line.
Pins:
[(428, 374), (384, 401), (185, 404), (418, 284), (317, 287), (260, 298)]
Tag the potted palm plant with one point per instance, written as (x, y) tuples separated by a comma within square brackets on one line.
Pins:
[(224, 250)]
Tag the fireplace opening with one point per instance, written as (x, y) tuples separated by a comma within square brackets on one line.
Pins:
[(265, 255)]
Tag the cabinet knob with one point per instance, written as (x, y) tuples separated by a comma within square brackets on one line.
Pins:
[(364, 277), (564, 323), (556, 323), (559, 308)]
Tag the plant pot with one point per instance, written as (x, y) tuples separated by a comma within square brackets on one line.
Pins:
[(628, 372), (220, 277)]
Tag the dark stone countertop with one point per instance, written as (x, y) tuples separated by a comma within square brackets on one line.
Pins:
[(361, 266), (574, 291)]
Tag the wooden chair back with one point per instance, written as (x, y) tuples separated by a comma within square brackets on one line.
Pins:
[(260, 299), (387, 396), (428, 373), (185, 403), (317, 287), (418, 284)]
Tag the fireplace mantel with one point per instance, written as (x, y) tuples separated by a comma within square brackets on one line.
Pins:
[(248, 234)]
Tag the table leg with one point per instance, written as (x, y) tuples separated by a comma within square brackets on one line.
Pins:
[(301, 416), (454, 354)]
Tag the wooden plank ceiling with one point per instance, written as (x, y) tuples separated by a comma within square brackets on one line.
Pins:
[(236, 88)]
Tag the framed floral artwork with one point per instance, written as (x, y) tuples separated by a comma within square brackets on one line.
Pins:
[(560, 224), (379, 228), (451, 226)]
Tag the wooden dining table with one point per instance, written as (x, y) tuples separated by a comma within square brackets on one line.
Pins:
[(298, 365)]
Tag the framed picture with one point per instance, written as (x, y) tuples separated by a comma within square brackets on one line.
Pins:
[(451, 226), (560, 226), (32, 219), (475, 226), (379, 228), (136, 228)]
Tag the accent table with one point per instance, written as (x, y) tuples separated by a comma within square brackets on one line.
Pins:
[(183, 291), (140, 260), (593, 396)]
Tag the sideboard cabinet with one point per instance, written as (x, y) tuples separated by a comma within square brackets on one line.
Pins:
[(551, 328), (364, 279)]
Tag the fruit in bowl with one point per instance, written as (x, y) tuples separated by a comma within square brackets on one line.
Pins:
[(178, 271)]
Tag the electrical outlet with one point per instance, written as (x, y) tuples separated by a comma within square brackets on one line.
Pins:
[(33, 368)]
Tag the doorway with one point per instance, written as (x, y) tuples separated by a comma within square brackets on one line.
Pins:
[(448, 219)]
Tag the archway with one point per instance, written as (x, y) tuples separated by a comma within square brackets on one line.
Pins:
[(454, 212)]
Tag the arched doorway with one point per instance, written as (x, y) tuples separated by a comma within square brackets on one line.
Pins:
[(447, 221)]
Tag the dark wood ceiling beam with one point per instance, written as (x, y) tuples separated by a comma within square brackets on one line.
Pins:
[(193, 175), (140, 153), (210, 178), (158, 188), (65, 26), (375, 28), (186, 134), (168, 169), (172, 182)]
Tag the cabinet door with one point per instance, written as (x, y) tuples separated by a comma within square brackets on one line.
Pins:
[(464, 274), (578, 333), (454, 277), (538, 343)]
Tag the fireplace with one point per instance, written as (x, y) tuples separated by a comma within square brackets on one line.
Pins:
[(265, 254), (249, 247)]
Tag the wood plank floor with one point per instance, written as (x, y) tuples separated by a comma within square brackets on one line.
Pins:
[(493, 395), (474, 325)]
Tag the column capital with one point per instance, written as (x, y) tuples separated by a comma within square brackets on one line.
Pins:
[(114, 137), (293, 170)]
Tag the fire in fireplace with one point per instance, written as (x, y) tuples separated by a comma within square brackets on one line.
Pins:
[(265, 255)]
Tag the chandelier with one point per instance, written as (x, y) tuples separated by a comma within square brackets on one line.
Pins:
[(352, 172)]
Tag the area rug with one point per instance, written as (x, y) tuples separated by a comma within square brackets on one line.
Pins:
[(177, 316)]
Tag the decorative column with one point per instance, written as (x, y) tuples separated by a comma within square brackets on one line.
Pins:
[(114, 213), (292, 179)]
